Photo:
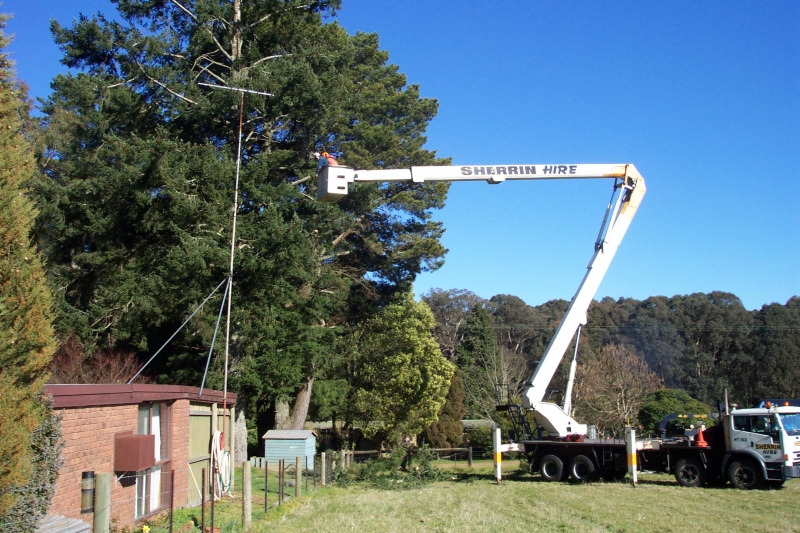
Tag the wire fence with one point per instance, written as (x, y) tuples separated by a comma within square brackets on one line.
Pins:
[(154, 494)]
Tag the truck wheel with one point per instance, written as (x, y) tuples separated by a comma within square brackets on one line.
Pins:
[(551, 468), (745, 474), (689, 472), (581, 469)]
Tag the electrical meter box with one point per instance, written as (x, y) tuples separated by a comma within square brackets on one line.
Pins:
[(332, 183)]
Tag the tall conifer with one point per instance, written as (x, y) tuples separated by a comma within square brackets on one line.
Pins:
[(26, 336), (140, 159)]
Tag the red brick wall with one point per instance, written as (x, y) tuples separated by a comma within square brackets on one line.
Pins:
[(88, 435), (180, 450)]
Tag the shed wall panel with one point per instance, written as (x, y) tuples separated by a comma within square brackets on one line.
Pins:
[(289, 450)]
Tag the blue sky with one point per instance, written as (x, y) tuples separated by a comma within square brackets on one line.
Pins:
[(701, 96)]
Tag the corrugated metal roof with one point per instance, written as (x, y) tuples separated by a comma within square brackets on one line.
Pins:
[(288, 434), (59, 524)]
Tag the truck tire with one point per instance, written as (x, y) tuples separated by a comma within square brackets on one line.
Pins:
[(581, 469), (690, 472), (745, 474), (551, 468)]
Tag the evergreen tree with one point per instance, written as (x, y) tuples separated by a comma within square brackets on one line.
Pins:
[(400, 379), (476, 356), (448, 431), (140, 165), (26, 335)]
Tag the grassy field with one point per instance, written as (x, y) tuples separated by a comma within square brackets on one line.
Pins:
[(471, 501)]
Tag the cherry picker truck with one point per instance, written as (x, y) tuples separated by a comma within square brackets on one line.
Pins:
[(751, 447)]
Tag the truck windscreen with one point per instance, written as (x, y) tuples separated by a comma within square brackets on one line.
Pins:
[(791, 423)]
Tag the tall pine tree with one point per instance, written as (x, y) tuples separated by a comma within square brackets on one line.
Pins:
[(140, 164)]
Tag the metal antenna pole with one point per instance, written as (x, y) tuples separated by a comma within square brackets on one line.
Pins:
[(233, 244), (230, 270)]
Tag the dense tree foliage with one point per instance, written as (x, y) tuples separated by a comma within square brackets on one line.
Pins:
[(774, 363), (26, 334), (476, 358), (399, 378), (448, 431), (139, 157), (451, 310)]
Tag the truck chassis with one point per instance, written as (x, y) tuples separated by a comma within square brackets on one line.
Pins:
[(693, 465)]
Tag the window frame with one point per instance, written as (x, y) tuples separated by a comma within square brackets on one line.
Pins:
[(144, 479)]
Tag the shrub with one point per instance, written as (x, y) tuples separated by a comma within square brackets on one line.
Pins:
[(662, 402), (34, 497), (404, 468)]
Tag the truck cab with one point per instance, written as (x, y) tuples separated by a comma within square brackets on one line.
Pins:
[(763, 445)]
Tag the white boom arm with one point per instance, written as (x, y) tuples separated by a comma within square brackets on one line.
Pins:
[(629, 184)]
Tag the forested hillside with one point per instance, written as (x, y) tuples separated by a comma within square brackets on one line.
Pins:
[(700, 343)]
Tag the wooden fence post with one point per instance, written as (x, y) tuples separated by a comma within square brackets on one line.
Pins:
[(247, 496), (203, 500), (322, 468), (102, 502), (266, 486), (213, 491), (298, 473), (281, 473), (469, 456), (171, 498)]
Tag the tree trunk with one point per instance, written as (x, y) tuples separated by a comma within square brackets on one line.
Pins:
[(236, 40), (281, 414), (300, 411)]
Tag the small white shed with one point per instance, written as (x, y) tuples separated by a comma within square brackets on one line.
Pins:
[(288, 445)]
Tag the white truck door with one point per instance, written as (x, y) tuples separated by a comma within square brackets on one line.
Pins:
[(755, 433)]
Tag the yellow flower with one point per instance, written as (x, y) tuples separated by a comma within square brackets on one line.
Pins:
[(145, 529)]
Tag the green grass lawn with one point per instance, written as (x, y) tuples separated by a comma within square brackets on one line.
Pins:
[(471, 501)]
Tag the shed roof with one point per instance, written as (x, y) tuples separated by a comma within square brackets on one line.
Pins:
[(288, 434), (91, 395)]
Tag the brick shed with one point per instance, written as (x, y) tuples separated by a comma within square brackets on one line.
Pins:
[(140, 434)]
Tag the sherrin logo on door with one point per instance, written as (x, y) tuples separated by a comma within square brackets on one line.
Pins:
[(769, 446)]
